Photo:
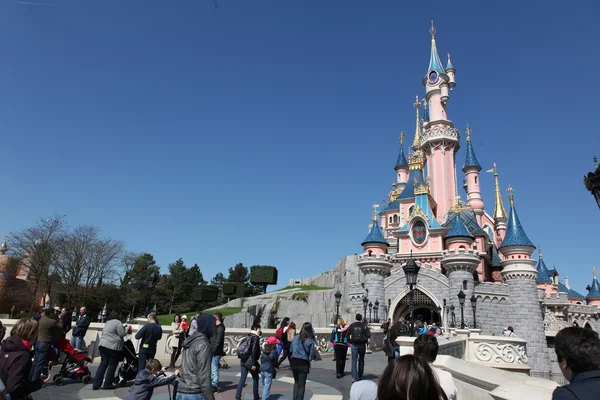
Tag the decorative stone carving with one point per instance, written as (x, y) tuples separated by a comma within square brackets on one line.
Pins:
[(501, 353)]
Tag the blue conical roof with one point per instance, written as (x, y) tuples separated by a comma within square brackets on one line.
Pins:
[(415, 178), (375, 236), (449, 66), (471, 160), (543, 273), (401, 162), (457, 228), (515, 234), (593, 290), (434, 60)]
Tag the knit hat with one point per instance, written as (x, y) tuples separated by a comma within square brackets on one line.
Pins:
[(363, 390)]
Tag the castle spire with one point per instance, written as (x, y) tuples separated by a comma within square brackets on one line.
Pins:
[(434, 60), (417, 142), (471, 160), (515, 234), (544, 275), (499, 211), (449, 66), (375, 235), (401, 161)]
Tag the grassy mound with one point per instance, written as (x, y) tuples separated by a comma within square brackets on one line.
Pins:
[(167, 319)]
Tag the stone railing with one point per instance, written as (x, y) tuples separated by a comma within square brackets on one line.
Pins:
[(508, 353)]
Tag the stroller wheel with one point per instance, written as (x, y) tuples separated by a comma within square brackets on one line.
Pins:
[(116, 380), (58, 381), (86, 379), (123, 383), (55, 377)]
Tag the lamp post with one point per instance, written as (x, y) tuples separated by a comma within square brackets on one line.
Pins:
[(376, 309), (338, 298), (370, 310), (474, 307), (151, 283), (102, 315), (445, 316), (389, 307), (453, 315), (411, 272), (439, 311), (365, 303), (461, 300)]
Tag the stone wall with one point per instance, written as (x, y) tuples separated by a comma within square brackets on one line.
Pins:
[(492, 307)]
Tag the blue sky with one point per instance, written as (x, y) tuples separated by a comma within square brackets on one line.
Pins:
[(262, 131)]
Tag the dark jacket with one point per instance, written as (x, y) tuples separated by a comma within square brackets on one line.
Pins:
[(583, 386), (195, 366), (15, 366), (268, 361), (2, 331), (389, 343), (218, 340), (149, 335), (358, 333), (65, 322), (144, 385), (255, 352), (82, 325), (338, 337), (49, 330)]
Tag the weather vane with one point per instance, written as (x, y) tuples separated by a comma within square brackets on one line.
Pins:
[(417, 103), (432, 30), (468, 130), (402, 136)]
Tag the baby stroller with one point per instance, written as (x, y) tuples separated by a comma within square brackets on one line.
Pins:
[(129, 364), (74, 366)]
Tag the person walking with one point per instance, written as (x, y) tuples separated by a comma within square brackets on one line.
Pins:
[(303, 350), (249, 360), (578, 353), (288, 335), (196, 358), (218, 344), (177, 341), (111, 344), (426, 346), (15, 360), (49, 331), (65, 321), (148, 336), (358, 335), (81, 327), (279, 334), (340, 347), (409, 378), (390, 347), (268, 360)]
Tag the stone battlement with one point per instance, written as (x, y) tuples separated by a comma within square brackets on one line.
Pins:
[(460, 252), (376, 257)]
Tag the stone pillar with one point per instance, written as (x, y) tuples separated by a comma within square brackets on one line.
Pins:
[(460, 266)]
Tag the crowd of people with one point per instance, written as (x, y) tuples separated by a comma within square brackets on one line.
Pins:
[(29, 352)]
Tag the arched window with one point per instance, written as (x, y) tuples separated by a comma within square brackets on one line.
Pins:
[(370, 252), (390, 219), (465, 284), (410, 210), (395, 218)]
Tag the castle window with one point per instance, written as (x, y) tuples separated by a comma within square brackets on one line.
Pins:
[(475, 178), (390, 220), (395, 218), (465, 284), (370, 252)]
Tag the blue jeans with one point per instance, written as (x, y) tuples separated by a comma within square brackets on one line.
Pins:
[(240, 387), (186, 396), (267, 379), (214, 371), (40, 360), (358, 360), (77, 342)]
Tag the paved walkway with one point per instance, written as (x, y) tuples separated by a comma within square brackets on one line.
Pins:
[(321, 385)]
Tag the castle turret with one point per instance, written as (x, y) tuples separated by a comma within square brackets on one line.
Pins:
[(375, 263), (593, 296), (544, 278), (460, 261), (450, 71), (401, 167), (471, 169), (519, 273), (500, 216)]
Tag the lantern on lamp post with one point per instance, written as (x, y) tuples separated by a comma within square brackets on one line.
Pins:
[(411, 272), (365, 301), (461, 301), (376, 309), (338, 298), (474, 308)]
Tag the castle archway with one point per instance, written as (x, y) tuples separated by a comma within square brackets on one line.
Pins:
[(426, 306)]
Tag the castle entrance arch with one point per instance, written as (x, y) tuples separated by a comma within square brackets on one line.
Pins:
[(426, 306)]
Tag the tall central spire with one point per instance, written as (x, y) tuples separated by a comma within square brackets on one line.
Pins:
[(417, 142), (499, 211)]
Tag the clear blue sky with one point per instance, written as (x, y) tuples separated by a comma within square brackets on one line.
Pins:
[(262, 131)]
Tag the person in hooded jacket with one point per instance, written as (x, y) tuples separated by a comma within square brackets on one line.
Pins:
[(195, 380), (147, 379), (15, 360)]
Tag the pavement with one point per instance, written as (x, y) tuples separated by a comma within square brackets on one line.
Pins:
[(321, 385)]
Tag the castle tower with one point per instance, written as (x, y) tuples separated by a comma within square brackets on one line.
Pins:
[(401, 167), (440, 140), (544, 276), (375, 263), (519, 273), (460, 262), (593, 296), (471, 169), (500, 216)]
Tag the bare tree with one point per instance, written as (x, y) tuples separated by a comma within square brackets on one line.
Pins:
[(36, 247), (105, 255), (127, 263)]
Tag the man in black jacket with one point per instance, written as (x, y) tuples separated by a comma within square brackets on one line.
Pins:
[(80, 329), (358, 335), (217, 344), (578, 353), (148, 336), (196, 361), (251, 364)]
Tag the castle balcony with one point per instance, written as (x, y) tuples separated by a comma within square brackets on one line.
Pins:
[(374, 259)]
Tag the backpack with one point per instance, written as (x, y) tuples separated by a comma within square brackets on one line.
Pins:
[(245, 348), (357, 334), (279, 333)]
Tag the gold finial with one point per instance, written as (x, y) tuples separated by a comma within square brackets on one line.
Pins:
[(511, 196), (417, 142), (594, 272), (540, 251), (432, 30), (375, 207), (468, 130), (417, 103), (402, 136), (499, 211)]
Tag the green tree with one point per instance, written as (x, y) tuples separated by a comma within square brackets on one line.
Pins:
[(135, 284), (241, 274)]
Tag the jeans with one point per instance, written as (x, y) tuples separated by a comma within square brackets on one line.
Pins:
[(145, 355), (214, 371), (77, 342), (108, 366), (279, 349), (340, 351), (358, 360), (300, 370), (186, 396), (254, 373), (267, 379), (40, 360)]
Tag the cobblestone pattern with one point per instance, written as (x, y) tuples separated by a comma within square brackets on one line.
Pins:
[(525, 316)]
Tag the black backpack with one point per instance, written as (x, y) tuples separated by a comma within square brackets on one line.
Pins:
[(244, 350)]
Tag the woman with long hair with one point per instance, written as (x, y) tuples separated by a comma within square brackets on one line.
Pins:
[(15, 360), (279, 334), (287, 338), (340, 347), (177, 341), (303, 350), (409, 378), (111, 344)]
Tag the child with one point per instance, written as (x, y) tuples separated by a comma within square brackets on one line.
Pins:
[(268, 360), (147, 379)]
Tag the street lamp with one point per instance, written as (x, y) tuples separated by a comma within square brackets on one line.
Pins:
[(461, 300), (338, 298), (370, 309), (453, 315), (474, 307), (411, 272), (439, 310), (376, 309), (365, 302), (151, 283), (389, 308)]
